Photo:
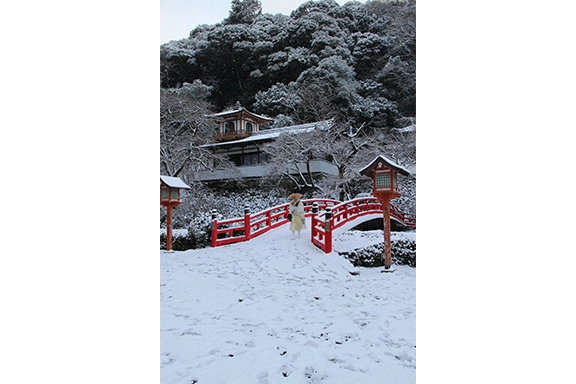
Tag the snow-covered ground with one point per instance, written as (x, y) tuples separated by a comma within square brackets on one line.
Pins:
[(276, 310)]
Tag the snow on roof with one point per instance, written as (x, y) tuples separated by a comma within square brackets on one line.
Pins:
[(241, 109), (273, 133), (173, 182), (386, 160)]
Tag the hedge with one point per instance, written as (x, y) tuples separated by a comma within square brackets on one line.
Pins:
[(403, 253)]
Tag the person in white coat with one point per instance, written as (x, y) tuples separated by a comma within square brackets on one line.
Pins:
[(296, 210)]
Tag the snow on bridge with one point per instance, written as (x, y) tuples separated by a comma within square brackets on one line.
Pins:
[(325, 216)]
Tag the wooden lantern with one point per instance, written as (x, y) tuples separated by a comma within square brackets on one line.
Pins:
[(170, 197), (170, 190), (384, 173)]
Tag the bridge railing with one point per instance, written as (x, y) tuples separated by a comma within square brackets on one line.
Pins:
[(407, 219), (251, 225), (348, 210), (331, 215), (324, 223)]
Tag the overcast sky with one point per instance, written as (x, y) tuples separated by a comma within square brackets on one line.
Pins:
[(179, 17)]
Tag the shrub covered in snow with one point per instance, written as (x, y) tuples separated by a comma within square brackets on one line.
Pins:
[(403, 253), (179, 242)]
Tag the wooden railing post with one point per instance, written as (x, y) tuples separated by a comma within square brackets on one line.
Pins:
[(247, 226), (214, 235), (328, 231), (313, 221)]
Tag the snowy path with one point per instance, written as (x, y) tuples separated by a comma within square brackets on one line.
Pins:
[(275, 310)]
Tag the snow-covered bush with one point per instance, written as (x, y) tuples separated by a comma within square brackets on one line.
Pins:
[(199, 230), (403, 253), (179, 242)]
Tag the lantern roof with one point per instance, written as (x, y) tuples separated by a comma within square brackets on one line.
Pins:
[(367, 171), (173, 182)]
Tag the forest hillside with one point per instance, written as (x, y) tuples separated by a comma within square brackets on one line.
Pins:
[(356, 62)]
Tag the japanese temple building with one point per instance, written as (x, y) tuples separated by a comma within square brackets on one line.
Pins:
[(241, 135), (238, 123)]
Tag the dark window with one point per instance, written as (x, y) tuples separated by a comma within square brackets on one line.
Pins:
[(250, 159), (249, 127), (236, 159), (253, 159), (229, 127)]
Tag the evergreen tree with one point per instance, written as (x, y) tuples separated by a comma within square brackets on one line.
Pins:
[(244, 11)]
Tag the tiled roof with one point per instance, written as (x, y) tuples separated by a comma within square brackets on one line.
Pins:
[(270, 134)]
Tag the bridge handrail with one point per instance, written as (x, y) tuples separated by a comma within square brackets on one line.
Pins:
[(340, 214), (343, 210), (251, 225), (238, 229)]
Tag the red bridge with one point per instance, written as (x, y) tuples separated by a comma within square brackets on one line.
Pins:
[(326, 216)]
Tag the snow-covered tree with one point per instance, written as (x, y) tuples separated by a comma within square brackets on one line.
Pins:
[(277, 100), (244, 11), (184, 128), (348, 148), (291, 155), (195, 91)]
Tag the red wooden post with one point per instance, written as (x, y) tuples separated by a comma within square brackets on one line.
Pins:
[(169, 228), (313, 222), (214, 235), (247, 225), (328, 231), (386, 221)]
